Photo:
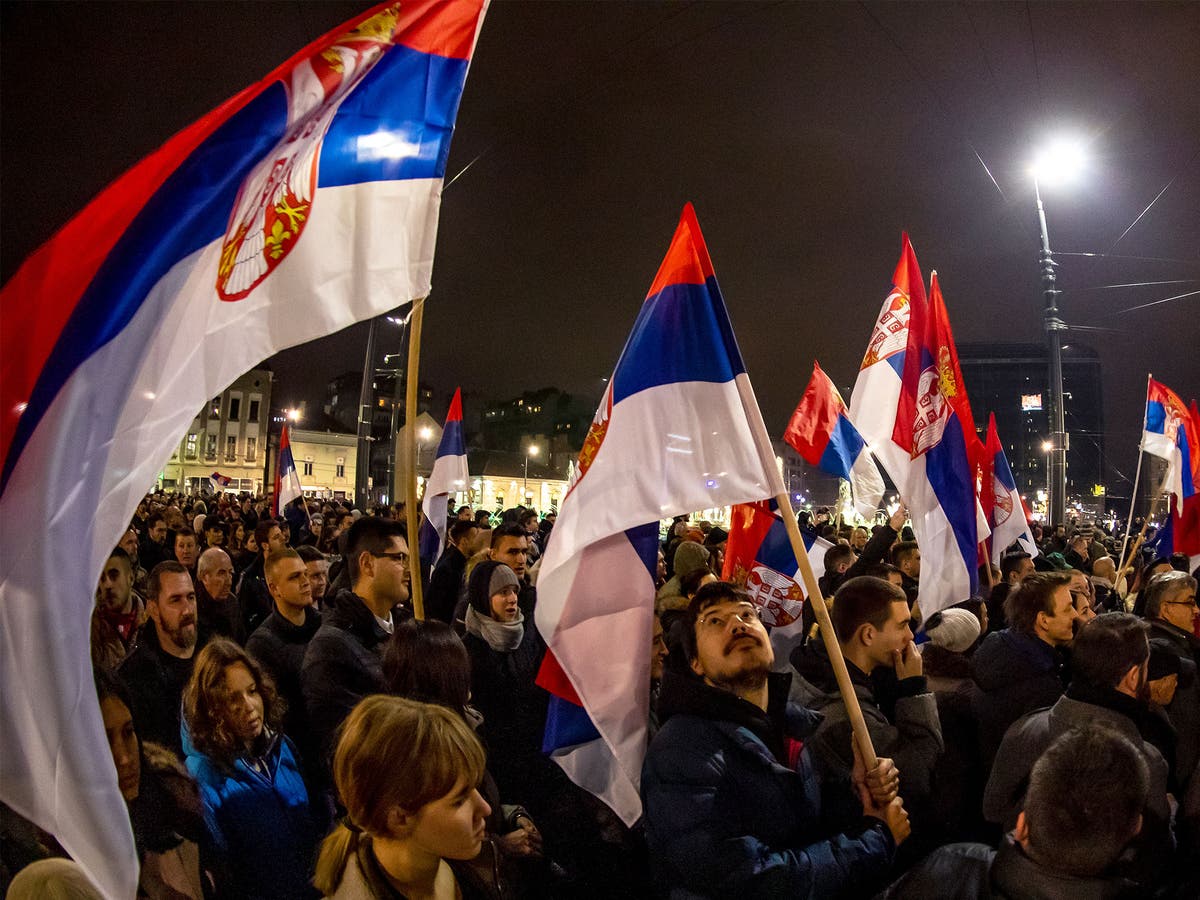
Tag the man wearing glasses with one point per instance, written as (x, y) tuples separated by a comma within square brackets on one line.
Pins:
[(733, 804), (344, 659), (1171, 611)]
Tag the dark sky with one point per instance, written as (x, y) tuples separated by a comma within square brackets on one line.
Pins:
[(807, 135)]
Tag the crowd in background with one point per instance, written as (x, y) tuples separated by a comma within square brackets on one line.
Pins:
[(282, 726)]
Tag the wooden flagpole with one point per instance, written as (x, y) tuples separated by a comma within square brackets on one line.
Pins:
[(412, 516), (1137, 474)]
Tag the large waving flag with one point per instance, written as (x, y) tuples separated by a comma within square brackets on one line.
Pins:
[(759, 557), (1004, 510), (821, 433), (877, 390), (934, 425), (287, 479), (448, 476), (1170, 434), (678, 430), (305, 203)]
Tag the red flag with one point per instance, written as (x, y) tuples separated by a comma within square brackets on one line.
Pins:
[(815, 417)]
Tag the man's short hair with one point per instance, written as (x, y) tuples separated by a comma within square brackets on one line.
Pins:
[(863, 600), (882, 570), (709, 595), (206, 563), (1086, 794), (262, 531), (154, 581), (153, 519), (309, 553), (119, 554), (1011, 564), (1107, 647), (1034, 595), (1163, 586), (902, 550), (277, 557), (836, 554), (460, 529), (183, 532), (527, 515), (507, 529), (373, 535)]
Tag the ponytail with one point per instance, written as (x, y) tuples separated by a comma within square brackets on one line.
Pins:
[(336, 850)]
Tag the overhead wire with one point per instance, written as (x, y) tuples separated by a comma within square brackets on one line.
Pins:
[(1155, 200)]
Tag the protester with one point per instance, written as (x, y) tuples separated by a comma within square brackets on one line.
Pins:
[(186, 549), (317, 566), (687, 557), (218, 613), (342, 663), (1170, 606), (1021, 668), (906, 556), (407, 774), (161, 662), (445, 583), (118, 613), (510, 545), (733, 805), (255, 803), (1084, 805), (253, 596)]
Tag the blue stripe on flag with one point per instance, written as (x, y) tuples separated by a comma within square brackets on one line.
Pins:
[(452, 443), (567, 725), (896, 361), (681, 334), (645, 542), (403, 90), (1003, 472), (776, 549), (949, 474), (1156, 417), (845, 444)]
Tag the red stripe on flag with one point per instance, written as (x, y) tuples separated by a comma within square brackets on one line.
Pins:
[(552, 678), (816, 416), (687, 260)]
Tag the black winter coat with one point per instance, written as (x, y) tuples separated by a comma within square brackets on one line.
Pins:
[(156, 680), (280, 646), (444, 585)]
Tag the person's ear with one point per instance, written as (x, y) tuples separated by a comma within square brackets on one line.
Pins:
[(1137, 827), (866, 634), (400, 823), (1130, 681), (1021, 832), (366, 564), (696, 667)]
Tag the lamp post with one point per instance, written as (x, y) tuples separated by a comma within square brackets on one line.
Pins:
[(532, 450), (424, 433), (1047, 446), (1060, 162)]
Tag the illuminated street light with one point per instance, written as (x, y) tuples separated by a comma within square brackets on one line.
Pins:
[(293, 415), (531, 450), (1060, 163)]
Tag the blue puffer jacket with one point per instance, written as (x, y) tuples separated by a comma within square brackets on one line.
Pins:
[(725, 816), (261, 827)]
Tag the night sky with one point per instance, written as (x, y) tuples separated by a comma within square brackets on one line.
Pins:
[(807, 135)]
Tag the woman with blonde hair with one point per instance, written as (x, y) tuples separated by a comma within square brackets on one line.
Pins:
[(255, 802), (408, 775)]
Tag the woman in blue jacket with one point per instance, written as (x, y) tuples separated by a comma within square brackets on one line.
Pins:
[(255, 803)]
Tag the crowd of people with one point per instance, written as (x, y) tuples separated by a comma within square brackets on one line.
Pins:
[(282, 726)]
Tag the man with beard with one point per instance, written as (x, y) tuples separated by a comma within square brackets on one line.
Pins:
[(1108, 687), (733, 804), (216, 606), (161, 664), (118, 611)]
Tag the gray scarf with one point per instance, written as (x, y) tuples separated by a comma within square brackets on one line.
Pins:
[(503, 637)]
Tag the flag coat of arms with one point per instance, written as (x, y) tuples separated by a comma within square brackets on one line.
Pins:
[(1170, 434), (876, 392), (449, 475), (1004, 510), (219, 481), (678, 430), (759, 557), (934, 425), (822, 434), (305, 203)]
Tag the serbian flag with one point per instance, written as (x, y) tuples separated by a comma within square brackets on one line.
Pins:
[(877, 390), (933, 424), (287, 479), (678, 430), (449, 475), (219, 481), (760, 559), (305, 203), (1170, 434), (821, 433), (1003, 508)]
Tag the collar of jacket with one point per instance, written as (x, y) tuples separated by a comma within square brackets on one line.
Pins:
[(351, 613), (688, 695), (1185, 640), (1110, 699), (1014, 874), (297, 633)]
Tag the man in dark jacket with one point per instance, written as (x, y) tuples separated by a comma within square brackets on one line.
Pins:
[(253, 596), (733, 805), (343, 662), (280, 642), (1020, 669), (906, 556), (1170, 609), (871, 619), (217, 610), (161, 664), (1108, 687), (446, 581), (1064, 844)]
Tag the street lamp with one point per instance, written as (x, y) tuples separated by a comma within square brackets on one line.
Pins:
[(1047, 446), (1059, 164), (424, 433), (532, 450)]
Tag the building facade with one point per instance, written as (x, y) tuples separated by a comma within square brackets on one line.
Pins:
[(228, 437)]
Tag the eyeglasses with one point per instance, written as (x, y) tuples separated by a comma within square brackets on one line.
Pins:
[(719, 621), (401, 558), (1192, 603)]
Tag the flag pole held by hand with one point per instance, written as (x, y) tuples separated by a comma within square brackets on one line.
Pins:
[(411, 512)]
